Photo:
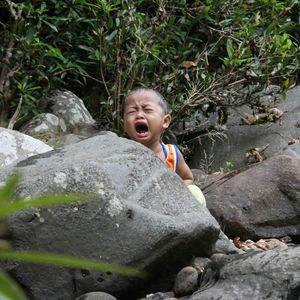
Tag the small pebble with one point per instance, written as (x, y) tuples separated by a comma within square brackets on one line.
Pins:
[(96, 296)]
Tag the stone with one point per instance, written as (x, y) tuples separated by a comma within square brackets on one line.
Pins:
[(260, 202), (16, 146), (68, 122), (186, 281), (96, 296), (292, 150), (44, 123), (66, 105), (143, 216), (225, 245)]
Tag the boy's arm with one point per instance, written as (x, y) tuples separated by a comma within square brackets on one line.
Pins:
[(184, 171)]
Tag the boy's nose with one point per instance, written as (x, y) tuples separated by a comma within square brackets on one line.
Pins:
[(139, 115)]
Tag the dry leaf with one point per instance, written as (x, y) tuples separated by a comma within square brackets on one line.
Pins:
[(274, 114), (187, 64), (257, 16), (255, 155), (289, 83), (249, 119), (293, 140), (187, 77), (262, 116), (262, 244), (251, 74)]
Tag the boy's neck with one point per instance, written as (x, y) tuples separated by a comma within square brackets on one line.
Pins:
[(157, 149)]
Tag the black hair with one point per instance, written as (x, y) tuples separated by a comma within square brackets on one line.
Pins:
[(162, 100)]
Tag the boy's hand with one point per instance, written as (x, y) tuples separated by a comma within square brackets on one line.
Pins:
[(197, 194)]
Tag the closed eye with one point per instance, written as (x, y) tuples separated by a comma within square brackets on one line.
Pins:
[(148, 110), (132, 111)]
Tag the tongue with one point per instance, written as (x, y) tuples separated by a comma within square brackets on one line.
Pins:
[(142, 133)]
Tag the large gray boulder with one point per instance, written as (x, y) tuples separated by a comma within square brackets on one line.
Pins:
[(15, 146), (144, 216), (212, 152), (260, 202)]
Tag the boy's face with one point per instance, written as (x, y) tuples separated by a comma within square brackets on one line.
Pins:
[(144, 118)]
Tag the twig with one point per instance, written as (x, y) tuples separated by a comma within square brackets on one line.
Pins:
[(118, 82), (101, 69), (12, 10), (13, 120), (237, 82), (6, 73), (11, 43)]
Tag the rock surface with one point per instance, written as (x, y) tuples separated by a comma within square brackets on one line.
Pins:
[(67, 106), (15, 146), (44, 124), (214, 153), (144, 216), (96, 296), (186, 281), (272, 274), (260, 202), (66, 120)]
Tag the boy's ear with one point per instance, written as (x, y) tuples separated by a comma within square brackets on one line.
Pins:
[(122, 123), (167, 121)]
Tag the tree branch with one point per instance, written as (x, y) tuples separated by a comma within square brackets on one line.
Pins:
[(8, 55), (14, 118)]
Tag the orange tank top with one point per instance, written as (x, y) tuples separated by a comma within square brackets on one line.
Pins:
[(171, 153)]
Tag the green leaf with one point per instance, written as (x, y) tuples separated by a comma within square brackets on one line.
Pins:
[(229, 48), (70, 262), (43, 201), (111, 36), (30, 34), (7, 190), (56, 52), (155, 50), (9, 289), (53, 27), (97, 54), (225, 23), (86, 48)]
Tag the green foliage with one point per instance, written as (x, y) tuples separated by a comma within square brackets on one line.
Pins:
[(43, 201), (69, 261), (100, 50), (228, 167), (8, 288)]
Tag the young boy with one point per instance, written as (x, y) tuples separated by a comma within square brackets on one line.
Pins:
[(145, 116)]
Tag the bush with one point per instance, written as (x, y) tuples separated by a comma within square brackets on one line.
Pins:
[(210, 53)]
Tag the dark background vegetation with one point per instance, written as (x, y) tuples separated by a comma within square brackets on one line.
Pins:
[(203, 56)]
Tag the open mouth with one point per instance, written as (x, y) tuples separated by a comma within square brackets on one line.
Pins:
[(141, 128)]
